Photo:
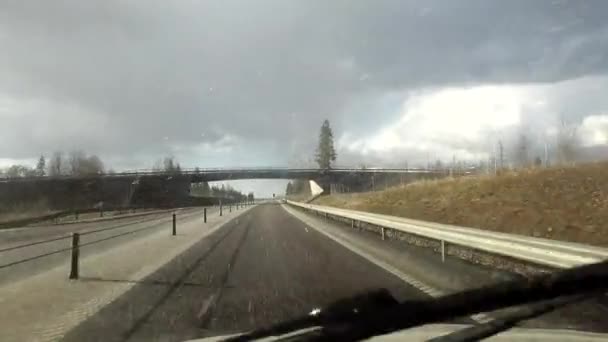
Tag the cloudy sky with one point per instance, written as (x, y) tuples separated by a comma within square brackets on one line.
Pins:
[(242, 83)]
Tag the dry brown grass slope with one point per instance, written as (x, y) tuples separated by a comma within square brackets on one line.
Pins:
[(566, 203)]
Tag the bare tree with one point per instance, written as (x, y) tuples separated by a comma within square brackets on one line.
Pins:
[(55, 167), (567, 142), (438, 165), (501, 155), (75, 158), (521, 152), (80, 164), (158, 165), (16, 171), (170, 165), (92, 165)]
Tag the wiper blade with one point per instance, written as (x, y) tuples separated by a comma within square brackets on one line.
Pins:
[(372, 321), (493, 327), (340, 311)]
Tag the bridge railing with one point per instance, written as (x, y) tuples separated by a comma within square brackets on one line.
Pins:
[(552, 253), (211, 171)]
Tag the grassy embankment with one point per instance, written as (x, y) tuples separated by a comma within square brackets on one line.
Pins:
[(565, 203)]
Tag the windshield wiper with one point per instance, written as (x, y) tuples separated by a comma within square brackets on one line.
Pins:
[(378, 315), (493, 327)]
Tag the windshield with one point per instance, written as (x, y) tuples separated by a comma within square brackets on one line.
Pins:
[(174, 170)]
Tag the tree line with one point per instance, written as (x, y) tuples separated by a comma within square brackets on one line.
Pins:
[(203, 189), (297, 186), (75, 163)]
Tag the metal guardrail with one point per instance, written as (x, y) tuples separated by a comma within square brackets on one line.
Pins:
[(540, 251)]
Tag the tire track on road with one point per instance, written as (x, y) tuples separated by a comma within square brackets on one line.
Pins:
[(176, 284), (208, 307)]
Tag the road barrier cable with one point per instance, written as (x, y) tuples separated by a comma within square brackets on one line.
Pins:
[(83, 244), (8, 249), (33, 244)]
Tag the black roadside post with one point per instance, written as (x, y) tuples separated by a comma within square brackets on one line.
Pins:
[(205, 215), (230, 208), (174, 225), (75, 255), (220, 207)]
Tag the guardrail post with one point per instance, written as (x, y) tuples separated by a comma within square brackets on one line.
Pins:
[(174, 225), (442, 251), (75, 256), (382, 233), (220, 208), (230, 208), (205, 215)]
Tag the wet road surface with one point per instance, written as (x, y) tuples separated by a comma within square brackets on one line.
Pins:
[(263, 268)]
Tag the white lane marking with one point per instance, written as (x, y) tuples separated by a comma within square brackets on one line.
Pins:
[(207, 304), (429, 290)]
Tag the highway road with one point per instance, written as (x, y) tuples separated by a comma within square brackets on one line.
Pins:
[(264, 268), (60, 238), (273, 263)]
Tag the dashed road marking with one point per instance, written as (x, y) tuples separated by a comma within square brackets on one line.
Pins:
[(427, 289), (207, 304)]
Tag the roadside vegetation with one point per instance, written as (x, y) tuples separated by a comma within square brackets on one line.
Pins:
[(564, 203), (15, 212), (325, 154)]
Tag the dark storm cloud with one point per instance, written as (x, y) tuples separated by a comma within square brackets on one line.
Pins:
[(126, 78)]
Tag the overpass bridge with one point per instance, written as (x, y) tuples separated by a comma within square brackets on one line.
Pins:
[(221, 174), (157, 187)]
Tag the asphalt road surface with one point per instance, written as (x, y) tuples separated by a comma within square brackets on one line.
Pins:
[(263, 268), (266, 267), (21, 244)]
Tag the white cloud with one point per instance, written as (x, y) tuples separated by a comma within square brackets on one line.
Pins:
[(594, 130), (443, 121), (469, 121)]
